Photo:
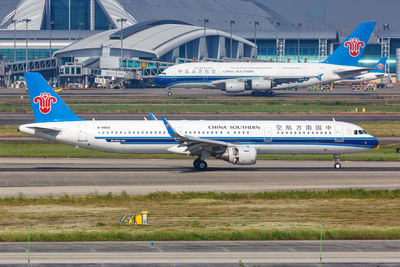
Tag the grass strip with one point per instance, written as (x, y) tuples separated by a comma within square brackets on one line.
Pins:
[(291, 215), (200, 236), (11, 149), (209, 106)]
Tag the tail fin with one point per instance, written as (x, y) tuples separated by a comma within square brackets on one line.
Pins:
[(380, 66), (47, 106), (351, 50)]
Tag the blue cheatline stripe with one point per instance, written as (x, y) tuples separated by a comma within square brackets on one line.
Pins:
[(351, 141)]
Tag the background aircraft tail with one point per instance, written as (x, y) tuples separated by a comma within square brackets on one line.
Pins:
[(47, 106), (351, 50), (380, 66)]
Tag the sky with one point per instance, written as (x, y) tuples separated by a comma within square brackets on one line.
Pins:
[(340, 14)]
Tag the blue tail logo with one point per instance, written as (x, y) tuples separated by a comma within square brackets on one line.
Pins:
[(380, 66), (47, 106), (351, 50)]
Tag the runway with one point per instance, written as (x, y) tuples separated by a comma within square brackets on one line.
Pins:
[(36, 177), (204, 253), (339, 91)]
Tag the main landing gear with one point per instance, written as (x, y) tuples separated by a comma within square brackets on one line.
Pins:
[(200, 165), (169, 93), (337, 164)]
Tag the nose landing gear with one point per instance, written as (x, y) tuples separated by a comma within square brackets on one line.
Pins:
[(337, 164)]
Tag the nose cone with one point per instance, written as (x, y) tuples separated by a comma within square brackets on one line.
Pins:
[(374, 143)]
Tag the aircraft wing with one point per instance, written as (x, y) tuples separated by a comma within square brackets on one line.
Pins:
[(194, 145)]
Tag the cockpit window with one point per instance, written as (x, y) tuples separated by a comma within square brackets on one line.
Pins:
[(163, 73), (364, 132), (355, 132), (360, 132)]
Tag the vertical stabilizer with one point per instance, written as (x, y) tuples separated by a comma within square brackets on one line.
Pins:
[(47, 106), (351, 50), (380, 66)]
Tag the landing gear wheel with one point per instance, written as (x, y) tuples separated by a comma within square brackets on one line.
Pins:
[(196, 163), (337, 165), (169, 93), (200, 165)]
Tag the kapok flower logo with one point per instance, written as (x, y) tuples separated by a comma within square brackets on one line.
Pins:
[(354, 45), (45, 100), (380, 66)]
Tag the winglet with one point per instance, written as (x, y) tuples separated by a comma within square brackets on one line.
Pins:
[(152, 117), (170, 129)]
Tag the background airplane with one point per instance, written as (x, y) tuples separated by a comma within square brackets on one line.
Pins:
[(237, 142), (236, 77), (377, 73)]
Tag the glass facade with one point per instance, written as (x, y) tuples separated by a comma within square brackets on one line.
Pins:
[(57, 11), (266, 49), (8, 54), (308, 50)]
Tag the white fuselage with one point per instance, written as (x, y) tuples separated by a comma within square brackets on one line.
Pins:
[(205, 75), (279, 137)]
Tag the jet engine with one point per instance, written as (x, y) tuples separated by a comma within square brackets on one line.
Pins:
[(261, 84), (234, 87), (240, 155)]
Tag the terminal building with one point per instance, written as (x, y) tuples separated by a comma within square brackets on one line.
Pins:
[(143, 37)]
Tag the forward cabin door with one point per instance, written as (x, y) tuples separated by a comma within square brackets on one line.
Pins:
[(82, 135), (339, 133), (267, 134)]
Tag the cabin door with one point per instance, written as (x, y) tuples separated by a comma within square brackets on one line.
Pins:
[(82, 135), (268, 134), (339, 133)]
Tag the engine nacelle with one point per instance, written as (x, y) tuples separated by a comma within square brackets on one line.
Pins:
[(240, 155), (261, 84), (234, 87)]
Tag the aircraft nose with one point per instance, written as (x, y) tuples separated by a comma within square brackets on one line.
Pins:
[(375, 143)]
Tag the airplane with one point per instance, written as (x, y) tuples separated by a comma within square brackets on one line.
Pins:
[(377, 73), (264, 77), (235, 141)]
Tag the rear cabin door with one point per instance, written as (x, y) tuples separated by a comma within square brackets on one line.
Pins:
[(82, 135)]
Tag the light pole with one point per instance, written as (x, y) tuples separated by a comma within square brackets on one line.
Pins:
[(26, 46), (256, 23), (299, 25), (79, 29), (231, 23), (122, 20), (51, 23), (205, 21), (276, 24), (15, 39)]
